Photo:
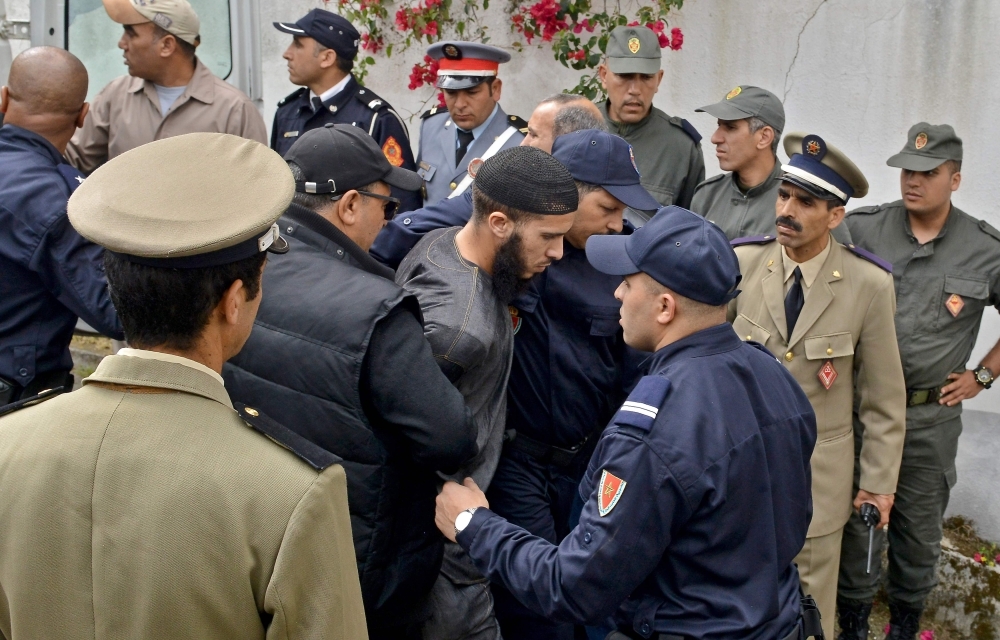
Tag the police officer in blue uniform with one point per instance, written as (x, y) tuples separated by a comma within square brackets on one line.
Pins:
[(697, 497), (473, 126), (320, 59), (51, 275)]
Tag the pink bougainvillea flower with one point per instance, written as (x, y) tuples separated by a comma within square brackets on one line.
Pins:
[(676, 39), (431, 28), (927, 634), (441, 102), (978, 557), (402, 20)]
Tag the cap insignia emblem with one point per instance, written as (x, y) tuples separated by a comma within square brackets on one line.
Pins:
[(921, 141), (393, 152), (609, 492), (735, 92), (474, 166), (515, 319), (954, 305), (812, 148), (631, 156), (451, 52), (827, 374), (633, 45)]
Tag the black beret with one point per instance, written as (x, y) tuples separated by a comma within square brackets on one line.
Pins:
[(529, 180)]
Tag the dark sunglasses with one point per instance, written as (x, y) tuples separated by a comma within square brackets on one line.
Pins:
[(390, 207)]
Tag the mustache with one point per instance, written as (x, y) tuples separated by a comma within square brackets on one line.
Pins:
[(788, 222)]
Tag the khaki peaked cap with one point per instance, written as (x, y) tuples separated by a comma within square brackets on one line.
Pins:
[(189, 195)]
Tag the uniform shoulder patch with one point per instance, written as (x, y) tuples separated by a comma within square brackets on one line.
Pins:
[(643, 404), (433, 111), (518, 123), (869, 256), (739, 242), (317, 457), (989, 229), (31, 401), (368, 98), (687, 127), (292, 96), (609, 491)]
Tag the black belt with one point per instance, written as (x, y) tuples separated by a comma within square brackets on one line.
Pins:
[(915, 397), (544, 453)]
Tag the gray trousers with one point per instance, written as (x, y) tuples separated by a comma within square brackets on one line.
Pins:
[(926, 476)]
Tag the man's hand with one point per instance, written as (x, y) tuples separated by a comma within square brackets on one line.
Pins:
[(963, 386), (882, 501), (453, 500)]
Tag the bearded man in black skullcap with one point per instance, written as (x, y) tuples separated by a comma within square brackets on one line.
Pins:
[(464, 277)]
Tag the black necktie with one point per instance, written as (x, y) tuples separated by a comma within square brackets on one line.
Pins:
[(794, 300), (465, 138), (317, 103)]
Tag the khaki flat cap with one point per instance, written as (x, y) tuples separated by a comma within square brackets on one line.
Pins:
[(191, 201), (174, 16), (821, 168)]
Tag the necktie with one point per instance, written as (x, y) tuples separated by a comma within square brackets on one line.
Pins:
[(794, 300), (465, 138), (317, 103)]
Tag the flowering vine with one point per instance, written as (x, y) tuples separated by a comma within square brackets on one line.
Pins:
[(576, 30)]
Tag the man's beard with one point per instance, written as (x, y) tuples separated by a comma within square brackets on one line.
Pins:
[(508, 268)]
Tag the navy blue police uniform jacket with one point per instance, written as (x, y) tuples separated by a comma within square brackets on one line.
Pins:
[(354, 105), (696, 501), (405, 230), (51, 275)]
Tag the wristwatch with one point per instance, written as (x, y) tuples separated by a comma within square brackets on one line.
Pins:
[(463, 520), (983, 376)]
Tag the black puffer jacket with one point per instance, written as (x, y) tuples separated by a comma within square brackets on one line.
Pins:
[(337, 354)]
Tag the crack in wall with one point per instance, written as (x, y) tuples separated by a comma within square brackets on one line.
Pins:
[(798, 46)]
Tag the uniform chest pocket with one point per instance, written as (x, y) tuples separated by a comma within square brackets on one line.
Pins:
[(834, 345), (604, 326), (963, 296), (748, 330)]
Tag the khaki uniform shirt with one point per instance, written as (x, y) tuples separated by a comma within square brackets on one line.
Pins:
[(669, 159), (942, 288), (143, 506), (126, 114), (743, 214), (846, 321)]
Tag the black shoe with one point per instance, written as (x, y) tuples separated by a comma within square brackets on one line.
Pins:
[(904, 621), (852, 615)]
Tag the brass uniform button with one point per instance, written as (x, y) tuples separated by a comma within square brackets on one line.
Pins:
[(252, 411), (453, 185), (829, 352), (748, 337), (789, 356)]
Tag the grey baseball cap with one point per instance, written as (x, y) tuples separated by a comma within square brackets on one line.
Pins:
[(633, 50), (746, 101), (927, 147)]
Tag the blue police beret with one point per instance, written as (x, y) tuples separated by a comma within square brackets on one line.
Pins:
[(328, 29), (679, 249)]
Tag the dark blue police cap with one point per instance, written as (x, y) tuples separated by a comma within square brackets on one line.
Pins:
[(328, 29), (600, 158), (679, 249)]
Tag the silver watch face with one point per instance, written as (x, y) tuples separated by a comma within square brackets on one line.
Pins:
[(984, 376), (462, 521)]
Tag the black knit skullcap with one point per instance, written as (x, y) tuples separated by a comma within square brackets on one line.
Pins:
[(529, 180)]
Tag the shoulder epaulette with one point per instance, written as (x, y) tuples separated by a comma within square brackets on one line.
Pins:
[(989, 229), (865, 210), (317, 457), (643, 404), (292, 96), (688, 128), (433, 111), (739, 242), (518, 123), (30, 401), (869, 256), (368, 98)]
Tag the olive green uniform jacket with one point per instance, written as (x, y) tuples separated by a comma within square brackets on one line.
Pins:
[(143, 506), (847, 319), (667, 154)]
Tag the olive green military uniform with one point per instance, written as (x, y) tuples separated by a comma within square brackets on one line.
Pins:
[(846, 323), (742, 214), (667, 153), (144, 506), (942, 288)]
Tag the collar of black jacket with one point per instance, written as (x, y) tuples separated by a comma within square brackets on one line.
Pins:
[(318, 224)]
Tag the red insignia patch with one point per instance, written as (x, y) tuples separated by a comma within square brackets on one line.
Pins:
[(812, 148), (954, 305), (515, 319), (827, 374), (611, 489), (393, 152), (474, 165)]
